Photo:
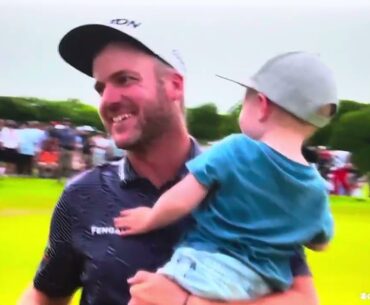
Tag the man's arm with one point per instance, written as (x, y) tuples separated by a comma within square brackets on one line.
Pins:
[(32, 296), (317, 247), (57, 277), (174, 204), (302, 292), (155, 289)]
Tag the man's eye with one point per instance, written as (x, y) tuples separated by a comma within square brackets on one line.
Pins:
[(99, 88), (126, 79)]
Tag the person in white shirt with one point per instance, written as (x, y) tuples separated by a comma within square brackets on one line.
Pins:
[(9, 138)]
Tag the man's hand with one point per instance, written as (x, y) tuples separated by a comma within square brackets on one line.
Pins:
[(155, 289), (32, 296), (317, 247), (134, 221)]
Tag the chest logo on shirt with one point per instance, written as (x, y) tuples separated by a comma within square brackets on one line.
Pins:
[(104, 230)]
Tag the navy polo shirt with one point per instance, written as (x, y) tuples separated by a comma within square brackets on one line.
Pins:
[(84, 249)]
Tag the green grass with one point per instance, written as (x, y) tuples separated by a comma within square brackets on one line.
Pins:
[(341, 274)]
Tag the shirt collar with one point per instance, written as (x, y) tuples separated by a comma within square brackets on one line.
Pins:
[(128, 174)]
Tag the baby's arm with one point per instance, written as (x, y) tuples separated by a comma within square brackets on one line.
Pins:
[(174, 204), (207, 170)]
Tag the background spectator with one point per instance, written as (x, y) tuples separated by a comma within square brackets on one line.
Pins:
[(9, 139), (48, 159), (67, 142), (100, 144)]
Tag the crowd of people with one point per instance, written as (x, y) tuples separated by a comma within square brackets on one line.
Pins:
[(52, 150), (336, 167), (57, 150)]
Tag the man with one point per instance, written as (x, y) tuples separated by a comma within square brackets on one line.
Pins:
[(142, 107), (9, 139), (30, 139), (66, 135)]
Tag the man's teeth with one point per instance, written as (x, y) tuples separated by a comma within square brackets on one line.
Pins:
[(122, 117)]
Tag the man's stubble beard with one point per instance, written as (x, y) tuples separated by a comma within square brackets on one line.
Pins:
[(155, 122)]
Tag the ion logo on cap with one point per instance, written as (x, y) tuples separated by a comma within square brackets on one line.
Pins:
[(123, 21)]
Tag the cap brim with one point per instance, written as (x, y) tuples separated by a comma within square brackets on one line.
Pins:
[(79, 46), (249, 83)]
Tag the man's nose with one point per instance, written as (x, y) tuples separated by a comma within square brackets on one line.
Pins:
[(111, 94)]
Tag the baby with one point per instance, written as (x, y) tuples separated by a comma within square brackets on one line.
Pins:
[(255, 199)]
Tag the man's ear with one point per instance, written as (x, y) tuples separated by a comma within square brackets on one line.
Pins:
[(265, 107), (175, 86)]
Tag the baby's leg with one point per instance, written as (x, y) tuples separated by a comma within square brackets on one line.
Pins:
[(214, 276)]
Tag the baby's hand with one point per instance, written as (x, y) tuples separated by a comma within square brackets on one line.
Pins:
[(133, 221)]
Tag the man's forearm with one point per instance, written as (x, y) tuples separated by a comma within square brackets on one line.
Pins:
[(301, 293), (155, 289), (317, 247), (32, 296)]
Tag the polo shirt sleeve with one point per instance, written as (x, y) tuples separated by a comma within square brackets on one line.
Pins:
[(59, 271), (213, 166)]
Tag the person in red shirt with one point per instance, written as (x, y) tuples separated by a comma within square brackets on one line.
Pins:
[(48, 159)]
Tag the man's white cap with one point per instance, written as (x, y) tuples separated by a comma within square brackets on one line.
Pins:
[(299, 82), (79, 46)]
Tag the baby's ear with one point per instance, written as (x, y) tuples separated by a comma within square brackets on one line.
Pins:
[(265, 107)]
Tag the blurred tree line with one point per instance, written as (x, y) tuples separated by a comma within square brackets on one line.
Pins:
[(23, 109), (349, 130), (206, 124)]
